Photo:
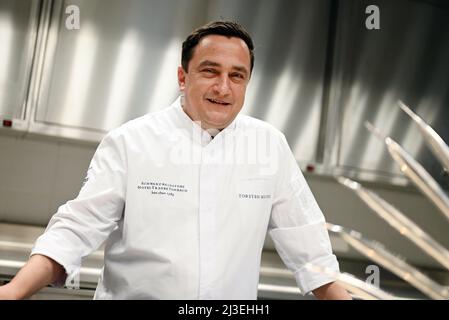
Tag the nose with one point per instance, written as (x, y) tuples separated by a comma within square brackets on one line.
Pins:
[(222, 86)]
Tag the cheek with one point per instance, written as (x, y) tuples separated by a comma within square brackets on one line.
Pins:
[(195, 83), (202, 87), (240, 92)]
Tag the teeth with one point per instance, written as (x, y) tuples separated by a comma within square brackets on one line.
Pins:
[(216, 101)]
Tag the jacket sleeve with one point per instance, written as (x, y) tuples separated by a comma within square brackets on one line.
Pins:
[(297, 225), (81, 225)]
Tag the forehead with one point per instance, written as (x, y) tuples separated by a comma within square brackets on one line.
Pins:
[(222, 49)]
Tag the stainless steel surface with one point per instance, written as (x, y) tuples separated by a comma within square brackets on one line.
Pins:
[(276, 281), (402, 269), (399, 221), (434, 141), (415, 171), (119, 65), (18, 25), (372, 69), (16, 242)]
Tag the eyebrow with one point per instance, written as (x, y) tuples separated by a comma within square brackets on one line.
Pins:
[(208, 63)]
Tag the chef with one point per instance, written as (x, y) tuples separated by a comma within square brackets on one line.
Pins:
[(183, 198)]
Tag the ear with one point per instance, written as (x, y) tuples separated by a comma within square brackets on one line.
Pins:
[(181, 78)]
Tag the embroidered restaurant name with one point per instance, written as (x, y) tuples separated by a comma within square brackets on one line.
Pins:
[(162, 188)]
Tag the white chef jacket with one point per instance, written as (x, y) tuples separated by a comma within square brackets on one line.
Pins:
[(185, 216)]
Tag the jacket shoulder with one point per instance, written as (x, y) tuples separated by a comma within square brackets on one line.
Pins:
[(247, 123)]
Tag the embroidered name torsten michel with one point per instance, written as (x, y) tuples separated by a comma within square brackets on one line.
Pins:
[(254, 196)]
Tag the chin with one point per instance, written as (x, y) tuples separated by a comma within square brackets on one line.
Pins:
[(218, 123), (218, 118)]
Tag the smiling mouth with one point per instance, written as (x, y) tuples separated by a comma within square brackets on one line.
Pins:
[(214, 101)]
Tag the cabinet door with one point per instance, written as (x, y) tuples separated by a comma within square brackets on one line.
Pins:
[(120, 64)]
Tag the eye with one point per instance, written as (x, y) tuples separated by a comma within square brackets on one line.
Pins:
[(238, 76), (209, 70)]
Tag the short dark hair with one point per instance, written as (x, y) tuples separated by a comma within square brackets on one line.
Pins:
[(223, 28)]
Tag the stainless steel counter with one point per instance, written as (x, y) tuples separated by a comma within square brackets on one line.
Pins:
[(16, 242), (276, 281)]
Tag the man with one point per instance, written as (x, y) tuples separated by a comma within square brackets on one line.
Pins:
[(183, 211)]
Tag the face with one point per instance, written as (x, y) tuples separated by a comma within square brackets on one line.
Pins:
[(215, 85)]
